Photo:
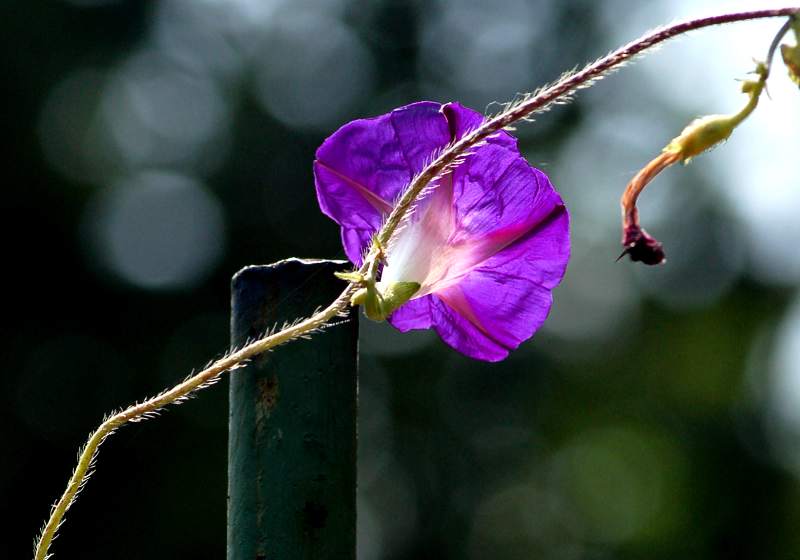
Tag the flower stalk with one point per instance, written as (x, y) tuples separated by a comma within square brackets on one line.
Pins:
[(176, 394), (701, 135), (528, 106)]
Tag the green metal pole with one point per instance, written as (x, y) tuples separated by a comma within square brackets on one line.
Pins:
[(292, 425)]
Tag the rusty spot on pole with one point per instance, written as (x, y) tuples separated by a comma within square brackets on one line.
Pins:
[(268, 393)]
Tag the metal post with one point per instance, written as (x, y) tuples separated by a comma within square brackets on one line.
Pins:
[(292, 426)]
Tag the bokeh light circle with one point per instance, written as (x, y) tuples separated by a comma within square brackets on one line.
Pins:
[(311, 71), (158, 230)]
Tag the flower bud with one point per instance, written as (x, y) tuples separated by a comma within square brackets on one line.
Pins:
[(702, 134), (641, 246), (791, 57)]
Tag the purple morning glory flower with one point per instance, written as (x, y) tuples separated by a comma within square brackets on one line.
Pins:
[(487, 244)]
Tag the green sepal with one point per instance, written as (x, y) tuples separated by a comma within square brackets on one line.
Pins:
[(350, 276), (359, 297), (397, 293), (379, 305)]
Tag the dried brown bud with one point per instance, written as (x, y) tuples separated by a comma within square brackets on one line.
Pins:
[(641, 246)]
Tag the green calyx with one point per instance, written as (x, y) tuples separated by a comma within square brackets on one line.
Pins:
[(702, 134), (379, 301), (379, 304)]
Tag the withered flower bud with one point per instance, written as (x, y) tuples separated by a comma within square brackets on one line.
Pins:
[(640, 246)]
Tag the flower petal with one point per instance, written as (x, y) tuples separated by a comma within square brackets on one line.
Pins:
[(487, 244), (490, 201), (459, 333), (355, 241), (462, 121), (540, 256), (508, 298), (497, 194), (500, 304), (412, 315), (362, 167)]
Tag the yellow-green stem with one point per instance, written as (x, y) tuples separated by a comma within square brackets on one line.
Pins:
[(89, 451), (551, 94)]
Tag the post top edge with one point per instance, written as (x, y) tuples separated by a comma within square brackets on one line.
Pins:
[(300, 261)]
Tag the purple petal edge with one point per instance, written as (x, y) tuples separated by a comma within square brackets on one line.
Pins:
[(500, 304), (499, 200)]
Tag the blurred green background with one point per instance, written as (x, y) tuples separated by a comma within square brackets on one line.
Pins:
[(154, 148)]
